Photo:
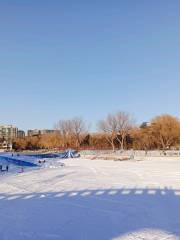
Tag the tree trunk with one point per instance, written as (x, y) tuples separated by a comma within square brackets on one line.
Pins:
[(113, 148), (122, 143)]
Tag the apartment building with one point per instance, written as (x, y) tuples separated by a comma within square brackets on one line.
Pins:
[(37, 132), (8, 132), (47, 131), (34, 132), (21, 134)]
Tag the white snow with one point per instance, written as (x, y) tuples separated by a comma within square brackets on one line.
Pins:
[(93, 199)]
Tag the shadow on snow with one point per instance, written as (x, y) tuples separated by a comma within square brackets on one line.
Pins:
[(89, 214)]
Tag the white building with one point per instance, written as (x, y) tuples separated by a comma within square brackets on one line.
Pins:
[(7, 134)]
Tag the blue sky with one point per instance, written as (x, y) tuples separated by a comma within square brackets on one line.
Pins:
[(61, 59)]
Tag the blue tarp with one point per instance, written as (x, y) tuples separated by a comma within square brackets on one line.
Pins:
[(70, 154), (67, 154), (18, 162), (44, 155), (31, 160)]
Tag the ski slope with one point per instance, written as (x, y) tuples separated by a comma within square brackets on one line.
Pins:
[(93, 199)]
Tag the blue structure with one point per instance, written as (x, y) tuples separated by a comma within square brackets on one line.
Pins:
[(70, 154), (44, 155), (16, 161), (33, 160)]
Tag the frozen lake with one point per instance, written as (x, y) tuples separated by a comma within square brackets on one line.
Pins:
[(93, 199)]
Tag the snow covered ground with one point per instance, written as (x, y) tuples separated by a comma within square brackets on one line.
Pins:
[(93, 199)]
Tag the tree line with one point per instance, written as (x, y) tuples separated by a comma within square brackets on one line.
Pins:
[(115, 131)]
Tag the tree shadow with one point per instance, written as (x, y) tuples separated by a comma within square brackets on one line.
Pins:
[(90, 214)]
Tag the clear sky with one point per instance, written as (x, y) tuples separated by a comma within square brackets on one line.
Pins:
[(65, 58)]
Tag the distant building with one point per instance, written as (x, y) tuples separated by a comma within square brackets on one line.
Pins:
[(21, 134), (47, 131), (34, 132), (145, 125), (37, 132), (7, 134)]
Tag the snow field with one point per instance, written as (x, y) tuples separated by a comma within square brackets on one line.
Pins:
[(93, 199)]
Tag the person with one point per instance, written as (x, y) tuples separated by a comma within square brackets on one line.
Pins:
[(1, 168), (7, 168)]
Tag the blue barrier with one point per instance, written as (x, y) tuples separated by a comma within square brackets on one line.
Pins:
[(30, 160), (18, 162), (44, 155), (67, 154)]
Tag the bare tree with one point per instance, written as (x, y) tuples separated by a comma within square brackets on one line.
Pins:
[(143, 138), (50, 140), (124, 124), (166, 131), (109, 128), (71, 130), (78, 129), (64, 129)]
